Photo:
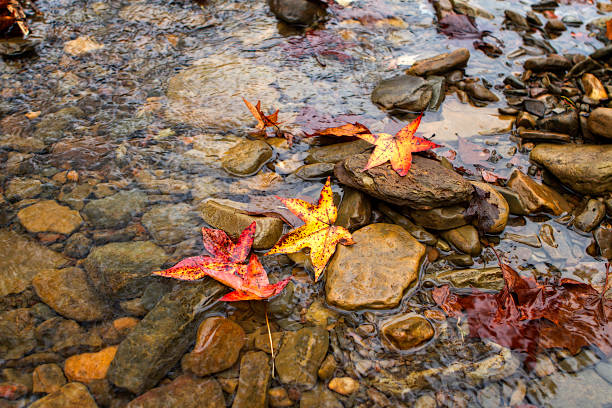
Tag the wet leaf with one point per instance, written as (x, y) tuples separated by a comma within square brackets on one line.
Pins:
[(471, 153), (483, 210), (226, 265), (528, 315), (318, 233), (263, 120), (459, 26)]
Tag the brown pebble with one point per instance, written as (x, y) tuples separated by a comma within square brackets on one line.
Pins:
[(343, 385)]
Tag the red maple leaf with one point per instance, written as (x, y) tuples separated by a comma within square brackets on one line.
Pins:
[(226, 265), (396, 149), (529, 316)]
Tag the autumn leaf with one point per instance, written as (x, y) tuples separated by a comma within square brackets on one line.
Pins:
[(483, 210), (226, 265), (318, 233), (263, 121), (397, 149), (527, 315)]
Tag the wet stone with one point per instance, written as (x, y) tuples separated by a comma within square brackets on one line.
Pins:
[(254, 381), (463, 260), (585, 168), (567, 123), (344, 385), (328, 367), (301, 356), (171, 224), (441, 218), (21, 259), (116, 210), (47, 378), (246, 157), (49, 216), (497, 200), (19, 189), (406, 92), (537, 197), (478, 91), (418, 232), (481, 278), (555, 25), (532, 239), (185, 391), (526, 120), (552, 62), (428, 185), (89, 367), (233, 222), (355, 210), (603, 237), (77, 246), (441, 64), (464, 239), (123, 269), (315, 171), (66, 337), (17, 336), (406, 332), (600, 122), (279, 397), (590, 216), (298, 12), (375, 273), (527, 134), (490, 396), (594, 390), (158, 342), (53, 125), (70, 395), (593, 88), (218, 344), (336, 152), (320, 397), (68, 292)]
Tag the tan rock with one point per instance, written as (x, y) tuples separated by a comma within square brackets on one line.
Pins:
[(81, 45), (279, 397), (537, 197), (376, 270), (47, 378), (343, 385), (405, 332), (593, 87), (70, 395), (49, 216), (88, 367), (441, 63)]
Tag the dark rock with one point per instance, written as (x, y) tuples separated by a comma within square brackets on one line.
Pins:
[(315, 171), (428, 185), (481, 278), (464, 239), (185, 392), (585, 168), (171, 223), (403, 92), (529, 134), (590, 216), (526, 120), (535, 107), (355, 209), (440, 64), (301, 356), (537, 197), (299, 12), (441, 218), (116, 210), (254, 380), (555, 26), (514, 82), (69, 293), (552, 62), (373, 275), (567, 123), (336, 152), (17, 336), (157, 343), (218, 343), (66, 337), (77, 246), (478, 91), (516, 19), (533, 19), (463, 260), (123, 269), (418, 232), (47, 378)]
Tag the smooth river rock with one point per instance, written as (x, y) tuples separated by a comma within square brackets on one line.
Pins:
[(171, 223), (482, 278), (70, 395), (405, 332), (537, 197), (464, 239), (586, 169), (185, 391), (159, 340), (600, 122), (355, 210), (254, 381), (49, 216), (246, 157), (427, 185), (301, 355), (441, 218), (441, 64), (234, 221), (21, 259), (116, 210), (376, 270), (404, 92), (496, 199), (123, 269), (68, 292), (298, 12)]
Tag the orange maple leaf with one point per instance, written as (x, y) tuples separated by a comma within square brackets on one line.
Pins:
[(397, 148), (263, 121), (249, 281), (319, 234)]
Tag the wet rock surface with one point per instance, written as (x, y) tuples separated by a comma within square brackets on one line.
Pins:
[(185, 391), (171, 224), (406, 92), (301, 356), (377, 274), (441, 64), (246, 157), (537, 197), (49, 216), (441, 218), (407, 332), (69, 293), (254, 381), (428, 185), (88, 367), (123, 269), (300, 12), (586, 169), (70, 395), (115, 210)]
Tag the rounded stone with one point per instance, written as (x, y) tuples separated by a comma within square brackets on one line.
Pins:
[(406, 332), (343, 385), (218, 344), (88, 367), (464, 239), (498, 201), (49, 216), (376, 270), (441, 218), (171, 224), (246, 157)]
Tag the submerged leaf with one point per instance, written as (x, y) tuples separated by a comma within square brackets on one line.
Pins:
[(318, 233), (485, 211)]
